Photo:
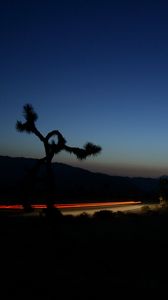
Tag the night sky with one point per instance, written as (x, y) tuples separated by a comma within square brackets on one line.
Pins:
[(95, 70)]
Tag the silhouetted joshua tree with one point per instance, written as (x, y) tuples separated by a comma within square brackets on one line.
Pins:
[(51, 148)]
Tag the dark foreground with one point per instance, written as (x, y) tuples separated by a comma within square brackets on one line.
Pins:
[(83, 257)]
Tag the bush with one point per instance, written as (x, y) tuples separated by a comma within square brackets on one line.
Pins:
[(103, 215)]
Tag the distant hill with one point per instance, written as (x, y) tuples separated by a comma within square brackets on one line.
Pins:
[(72, 184)]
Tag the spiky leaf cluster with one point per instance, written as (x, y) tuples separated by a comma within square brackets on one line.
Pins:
[(21, 127), (30, 116), (92, 149), (82, 153)]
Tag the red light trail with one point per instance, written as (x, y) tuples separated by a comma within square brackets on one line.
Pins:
[(71, 205)]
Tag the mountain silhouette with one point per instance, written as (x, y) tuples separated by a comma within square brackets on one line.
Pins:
[(72, 184)]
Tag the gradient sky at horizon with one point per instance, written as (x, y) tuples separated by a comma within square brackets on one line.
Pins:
[(95, 70)]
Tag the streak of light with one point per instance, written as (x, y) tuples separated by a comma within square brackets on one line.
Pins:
[(72, 205)]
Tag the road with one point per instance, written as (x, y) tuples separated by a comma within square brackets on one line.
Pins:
[(88, 208)]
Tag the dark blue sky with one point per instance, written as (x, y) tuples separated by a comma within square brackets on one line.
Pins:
[(95, 70)]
